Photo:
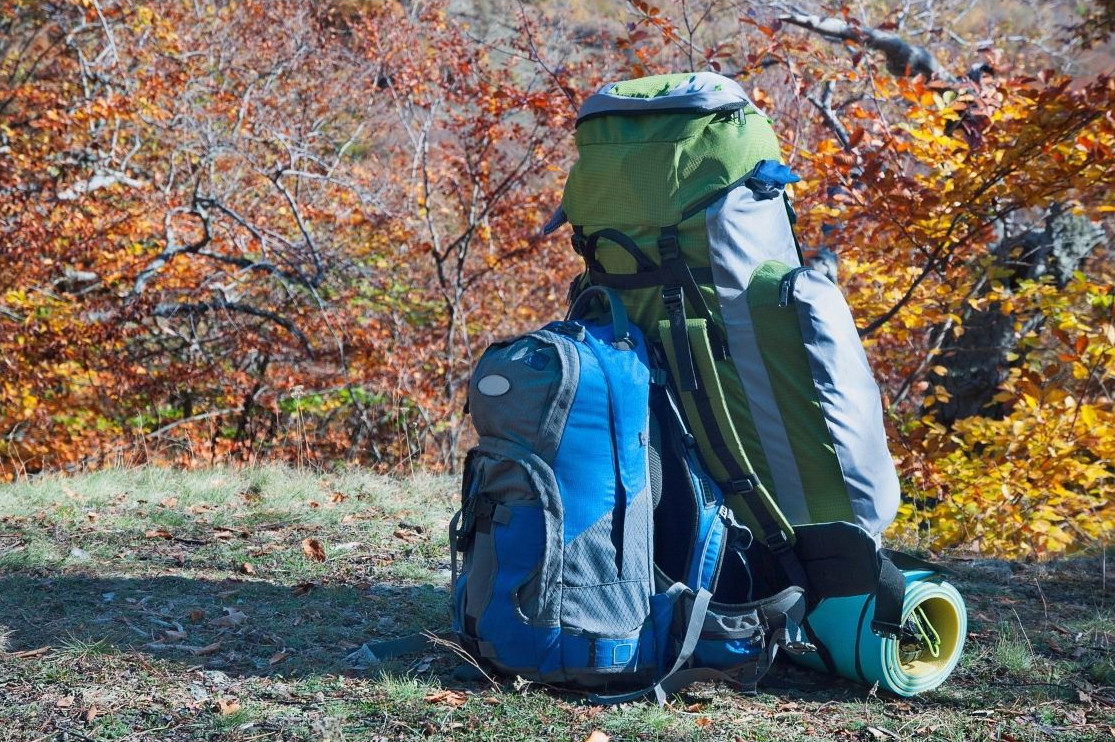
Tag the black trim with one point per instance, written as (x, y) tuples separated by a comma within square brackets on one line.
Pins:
[(726, 108), (859, 638), (646, 279), (614, 235), (822, 651)]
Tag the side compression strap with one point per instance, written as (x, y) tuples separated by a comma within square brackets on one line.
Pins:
[(723, 446), (889, 599)]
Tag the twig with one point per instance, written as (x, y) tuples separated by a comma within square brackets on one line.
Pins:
[(456, 649)]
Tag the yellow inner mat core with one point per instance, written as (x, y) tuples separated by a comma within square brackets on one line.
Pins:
[(942, 615)]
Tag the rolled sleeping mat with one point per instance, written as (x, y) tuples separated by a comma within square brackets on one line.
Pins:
[(935, 624)]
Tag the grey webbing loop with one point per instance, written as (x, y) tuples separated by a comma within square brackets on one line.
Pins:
[(621, 326)]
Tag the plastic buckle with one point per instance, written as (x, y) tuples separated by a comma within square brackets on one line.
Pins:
[(743, 486), (668, 247), (671, 295), (778, 542)]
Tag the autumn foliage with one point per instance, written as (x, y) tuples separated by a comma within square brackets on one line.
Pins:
[(251, 229)]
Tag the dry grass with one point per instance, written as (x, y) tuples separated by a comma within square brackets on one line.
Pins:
[(129, 612)]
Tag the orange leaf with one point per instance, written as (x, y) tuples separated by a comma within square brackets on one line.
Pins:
[(247, 568), (313, 549), (226, 706), (159, 533)]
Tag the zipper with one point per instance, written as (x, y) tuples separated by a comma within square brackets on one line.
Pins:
[(786, 287)]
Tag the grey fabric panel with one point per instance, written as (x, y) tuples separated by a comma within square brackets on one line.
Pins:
[(613, 609), (742, 234), (705, 91), (731, 622), (849, 399), (538, 478), (606, 593), (540, 371)]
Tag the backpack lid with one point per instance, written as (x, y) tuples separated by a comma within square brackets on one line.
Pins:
[(696, 92)]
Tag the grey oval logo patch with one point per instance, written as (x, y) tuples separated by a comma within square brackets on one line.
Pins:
[(493, 385)]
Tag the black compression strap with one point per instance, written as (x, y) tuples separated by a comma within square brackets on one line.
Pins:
[(646, 279), (889, 597)]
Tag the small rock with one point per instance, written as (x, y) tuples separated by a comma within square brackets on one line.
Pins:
[(362, 658), (80, 555), (197, 690), (216, 678)]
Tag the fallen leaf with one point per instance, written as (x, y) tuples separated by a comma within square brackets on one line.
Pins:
[(409, 536), (91, 714), (226, 706), (159, 533), (207, 649), (64, 703), (313, 549), (703, 722), (171, 635), (230, 620), (338, 498), (196, 615), (28, 654), (302, 588), (247, 568), (314, 504), (453, 698), (92, 516), (348, 518), (168, 502), (278, 657), (597, 736)]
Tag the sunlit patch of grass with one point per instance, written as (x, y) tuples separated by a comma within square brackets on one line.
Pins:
[(75, 649)]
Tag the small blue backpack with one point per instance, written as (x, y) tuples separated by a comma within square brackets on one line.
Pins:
[(597, 553)]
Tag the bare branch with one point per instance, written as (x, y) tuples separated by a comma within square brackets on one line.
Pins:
[(222, 304), (903, 58)]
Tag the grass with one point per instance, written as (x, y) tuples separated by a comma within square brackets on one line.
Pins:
[(182, 605)]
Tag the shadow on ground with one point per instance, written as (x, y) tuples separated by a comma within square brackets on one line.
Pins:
[(241, 627)]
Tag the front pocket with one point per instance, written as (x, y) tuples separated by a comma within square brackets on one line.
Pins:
[(508, 601)]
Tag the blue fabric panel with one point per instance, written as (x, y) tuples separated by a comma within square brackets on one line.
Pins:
[(628, 379), (602, 655), (726, 654), (662, 619), (548, 647), (584, 465), (705, 563), (518, 546)]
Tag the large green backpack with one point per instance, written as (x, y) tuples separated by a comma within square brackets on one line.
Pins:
[(677, 202)]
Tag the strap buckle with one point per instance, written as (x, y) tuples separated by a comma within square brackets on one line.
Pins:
[(672, 297), (744, 486), (778, 542), (668, 247)]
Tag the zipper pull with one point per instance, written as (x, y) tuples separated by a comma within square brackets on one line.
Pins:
[(786, 287)]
